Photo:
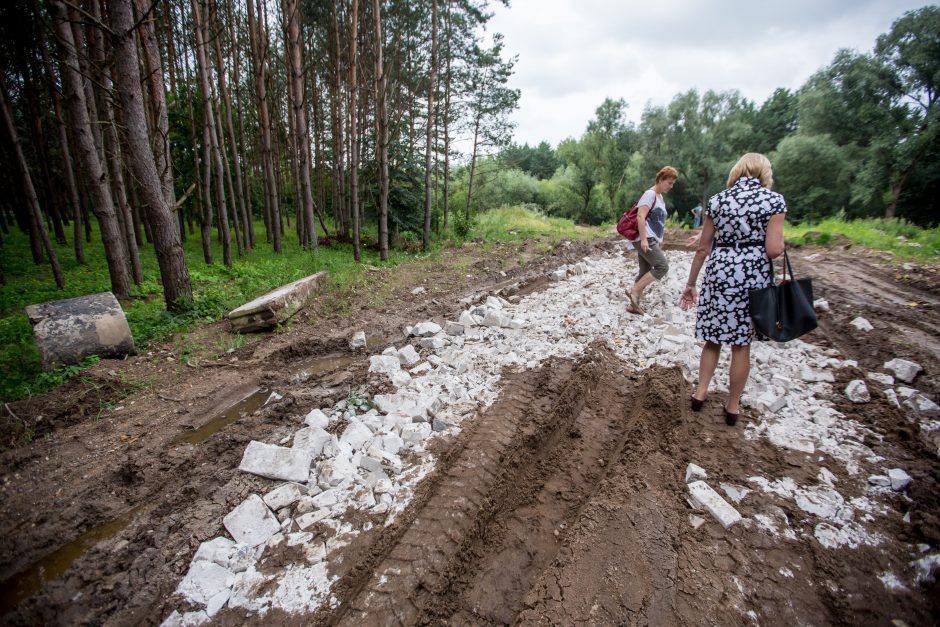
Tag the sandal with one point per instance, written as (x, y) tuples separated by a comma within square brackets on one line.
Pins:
[(696, 403), (730, 418)]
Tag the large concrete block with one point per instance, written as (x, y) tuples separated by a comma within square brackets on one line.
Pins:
[(276, 462), (69, 330), (276, 306)]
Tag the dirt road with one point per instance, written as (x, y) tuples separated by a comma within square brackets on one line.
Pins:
[(563, 501)]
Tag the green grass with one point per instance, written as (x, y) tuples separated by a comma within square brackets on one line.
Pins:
[(216, 291), (898, 236), (508, 223)]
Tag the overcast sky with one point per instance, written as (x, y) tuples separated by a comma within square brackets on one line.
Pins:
[(574, 53)]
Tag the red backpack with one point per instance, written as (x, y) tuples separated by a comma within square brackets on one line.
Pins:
[(627, 226)]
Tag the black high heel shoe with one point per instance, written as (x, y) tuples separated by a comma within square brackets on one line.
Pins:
[(696, 403), (730, 418)]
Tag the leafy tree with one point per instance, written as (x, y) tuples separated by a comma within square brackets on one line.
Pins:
[(776, 119), (812, 173)]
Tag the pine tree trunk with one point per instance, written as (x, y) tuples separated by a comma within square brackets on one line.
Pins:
[(447, 92), (259, 65), (32, 200), (67, 167), (238, 196), (339, 205), (96, 177), (112, 147), (239, 148), (430, 131), (381, 132), (212, 154), (353, 136), (292, 8), (174, 274)]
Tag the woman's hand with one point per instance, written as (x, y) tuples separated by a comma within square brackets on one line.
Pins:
[(644, 245), (689, 298)]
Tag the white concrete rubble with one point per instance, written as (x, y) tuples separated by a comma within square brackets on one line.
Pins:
[(358, 340), (899, 479), (903, 369), (426, 329), (821, 305), (706, 497), (882, 378), (275, 462), (861, 324), (857, 392), (284, 495), (251, 523), (694, 473)]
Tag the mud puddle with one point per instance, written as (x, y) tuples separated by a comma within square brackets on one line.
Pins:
[(313, 368), (239, 410), (26, 583)]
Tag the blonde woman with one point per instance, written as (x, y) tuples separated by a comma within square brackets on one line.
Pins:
[(745, 222), (651, 223)]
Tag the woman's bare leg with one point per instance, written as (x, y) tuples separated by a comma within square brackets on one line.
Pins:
[(740, 367), (706, 368)]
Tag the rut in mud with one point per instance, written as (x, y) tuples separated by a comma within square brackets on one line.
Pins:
[(472, 551)]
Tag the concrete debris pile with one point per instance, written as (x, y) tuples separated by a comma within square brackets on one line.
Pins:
[(368, 454)]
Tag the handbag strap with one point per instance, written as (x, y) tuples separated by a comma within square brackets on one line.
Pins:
[(787, 267)]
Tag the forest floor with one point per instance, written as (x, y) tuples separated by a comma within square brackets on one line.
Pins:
[(560, 500)]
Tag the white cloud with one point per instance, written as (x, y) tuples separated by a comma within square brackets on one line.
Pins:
[(574, 53)]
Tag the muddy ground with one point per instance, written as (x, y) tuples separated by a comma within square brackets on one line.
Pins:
[(562, 503)]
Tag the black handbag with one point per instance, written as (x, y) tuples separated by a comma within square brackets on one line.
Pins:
[(783, 312)]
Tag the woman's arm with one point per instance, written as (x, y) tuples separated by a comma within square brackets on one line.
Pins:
[(773, 242), (689, 294), (641, 213)]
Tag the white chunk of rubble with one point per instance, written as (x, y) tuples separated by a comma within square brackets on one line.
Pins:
[(316, 418), (453, 328), (408, 356), (284, 495), (358, 340), (275, 462), (426, 329), (861, 324), (857, 392), (899, 479), (694, 472), (821, 305), (903, 369), (703, 495), (251, 523), (313, 440), (882, 378)]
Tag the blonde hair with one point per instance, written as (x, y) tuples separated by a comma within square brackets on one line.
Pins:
[(667, 172), (752, 164)]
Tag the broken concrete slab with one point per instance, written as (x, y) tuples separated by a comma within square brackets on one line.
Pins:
[(821, 305), (816, 376), (454, 328), (69, 330), (903, 369), (277, 306), (355, 435), (251, 523), (922, 405), (276, 462), (706, 497)]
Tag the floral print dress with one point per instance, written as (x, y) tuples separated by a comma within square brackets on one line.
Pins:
[(738, 263)]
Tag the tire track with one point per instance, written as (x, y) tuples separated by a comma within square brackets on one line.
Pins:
[(477, 546)]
